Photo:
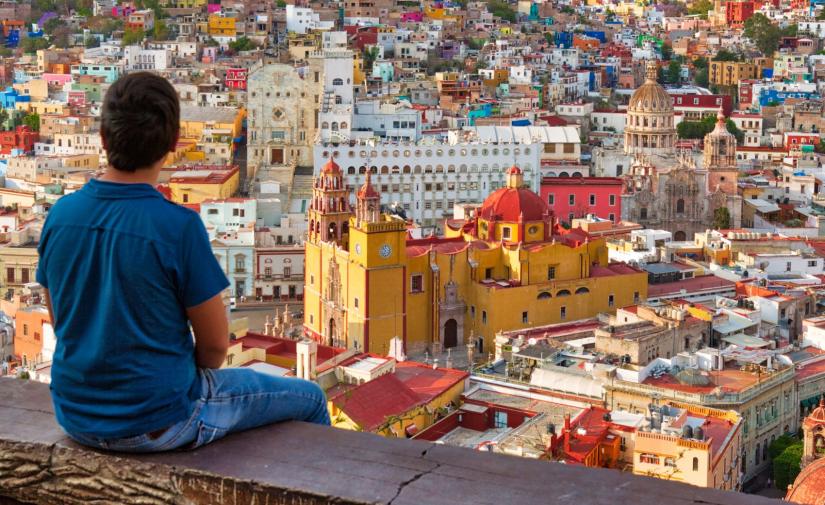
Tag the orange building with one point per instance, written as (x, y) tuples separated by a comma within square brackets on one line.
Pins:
[(31, 324), (588, 440)]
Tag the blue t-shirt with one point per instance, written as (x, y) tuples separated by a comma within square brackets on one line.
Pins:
[(121, 264)]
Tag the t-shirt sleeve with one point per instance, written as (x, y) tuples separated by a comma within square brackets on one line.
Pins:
[(40, 273), (201, 275)]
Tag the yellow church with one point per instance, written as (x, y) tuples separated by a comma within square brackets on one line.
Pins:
[(509, 265)]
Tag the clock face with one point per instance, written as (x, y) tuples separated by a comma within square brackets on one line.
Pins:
[(385, 251), (357, 248)]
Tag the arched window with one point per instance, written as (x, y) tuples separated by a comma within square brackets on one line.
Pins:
[(343, 125), (544, 295), (582, 291), (337, 82), (680, 206), (563, 292), (643, 213), (324, 125), (695, 464), (334, 126)]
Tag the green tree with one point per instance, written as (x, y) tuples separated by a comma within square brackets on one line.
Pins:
[(242, 44), (33, 44), (764, 34), (667, 51), (725, 55), (779, 445), (51, 25), (701, 7), (502, 10), (786, 466), (4, 116), (721, 218), (32, 121), (160, 31), (702, 78), (370, 55), (698, 129), (132, 36), (674, 72), (700, 62)]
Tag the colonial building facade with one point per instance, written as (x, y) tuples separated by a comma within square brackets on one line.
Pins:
[(664, 188), (367, 281)]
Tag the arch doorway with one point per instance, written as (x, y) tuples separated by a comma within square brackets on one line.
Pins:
[(331, 332), (679, 236), (450, 333)]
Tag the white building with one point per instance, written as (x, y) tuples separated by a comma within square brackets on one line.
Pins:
[(138, 58), (303, 19)]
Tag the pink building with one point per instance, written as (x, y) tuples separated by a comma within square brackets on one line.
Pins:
[(572, 197), (236, 78)]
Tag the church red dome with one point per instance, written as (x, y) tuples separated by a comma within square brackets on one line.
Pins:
[(514, 205), (818, 414), (330, 167), (809, 486)]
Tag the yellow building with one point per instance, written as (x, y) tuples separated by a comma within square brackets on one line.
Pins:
[(401, 401), (17, 265), (367, 281), (729, 73), (209, 183), (220, 26), (694, 445)]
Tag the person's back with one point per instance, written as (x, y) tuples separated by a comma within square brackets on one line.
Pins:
[(125, 273)]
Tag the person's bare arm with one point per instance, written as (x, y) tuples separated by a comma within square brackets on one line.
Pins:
[(48, 304), (211, 330)]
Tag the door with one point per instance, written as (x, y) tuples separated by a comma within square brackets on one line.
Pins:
[(277, 292), (450, 333), (291, 292), (278, 156)]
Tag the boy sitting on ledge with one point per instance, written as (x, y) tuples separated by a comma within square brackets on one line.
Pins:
[(125, 273)]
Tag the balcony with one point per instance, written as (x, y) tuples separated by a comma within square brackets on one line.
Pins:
[(300, 463)]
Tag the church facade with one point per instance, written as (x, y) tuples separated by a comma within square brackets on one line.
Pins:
[(368, 281), (664, 188)]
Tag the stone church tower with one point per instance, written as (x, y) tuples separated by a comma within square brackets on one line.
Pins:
[(813, 429), (329, 210), (719, 160)]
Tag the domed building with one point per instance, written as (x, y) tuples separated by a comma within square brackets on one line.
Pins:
[(664, 187), (809, 486), (376, 282), (649, 125)]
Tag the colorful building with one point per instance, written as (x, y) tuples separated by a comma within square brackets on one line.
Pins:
[(21, 138), (574, 197), (368, 281), (221, 26), (729, 73), (193, 186)]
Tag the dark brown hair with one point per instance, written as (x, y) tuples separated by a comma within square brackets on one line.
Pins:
[(140, 121)]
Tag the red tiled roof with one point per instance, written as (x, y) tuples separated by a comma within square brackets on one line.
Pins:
[(426, 382), (514, 205), (370, 404), (809, 486), (693, 285)]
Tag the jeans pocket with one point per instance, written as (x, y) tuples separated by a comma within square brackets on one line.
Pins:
[(127, 444), (206, 435)]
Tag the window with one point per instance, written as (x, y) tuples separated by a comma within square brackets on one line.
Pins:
[(551, 273), (571, 200), (524, 318), (25, 329), (10, 275), (592, 199), (212, 212), (635, 297), (671, 462), (651, 459), (355, 302), (610, 300), (643, 213), (680, 206), (240, 263), (505, 233), (488, 273), (417, 283), (811, 263), (500, 419), (612, 217), (551, 199), (287, 271), (268, 271), (563, 313), (695, 464), (788, 266), (37, 336), (484, 317), (612, 200)]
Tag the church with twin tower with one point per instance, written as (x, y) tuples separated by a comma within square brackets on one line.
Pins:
[(664, 188)]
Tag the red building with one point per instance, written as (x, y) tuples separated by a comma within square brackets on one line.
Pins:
[(746, 92), (736, 13), (236, 78), (696, 107), (795, 140), (572, 197), (22, 138)]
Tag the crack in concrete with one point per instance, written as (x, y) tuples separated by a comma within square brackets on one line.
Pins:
[(415, 477)]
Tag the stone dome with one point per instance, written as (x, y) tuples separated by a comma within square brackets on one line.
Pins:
[(818, 414), (809, 486), (650, 97), (330, 167), (649, 126)]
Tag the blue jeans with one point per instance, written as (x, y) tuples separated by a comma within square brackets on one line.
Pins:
[(231, 399)]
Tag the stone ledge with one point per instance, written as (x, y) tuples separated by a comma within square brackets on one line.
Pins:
[(297, 463)]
